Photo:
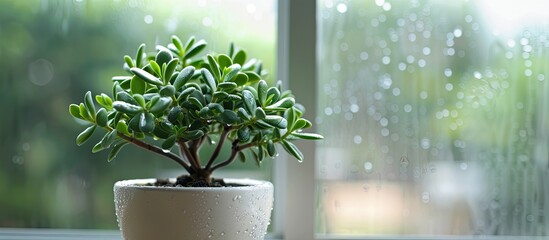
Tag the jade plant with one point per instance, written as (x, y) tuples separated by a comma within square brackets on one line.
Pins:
[(176, 99)]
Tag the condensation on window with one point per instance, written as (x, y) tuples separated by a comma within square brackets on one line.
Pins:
[(51, 53), (435, 116)]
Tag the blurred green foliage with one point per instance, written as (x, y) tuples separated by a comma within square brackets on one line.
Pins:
[(51, 53)]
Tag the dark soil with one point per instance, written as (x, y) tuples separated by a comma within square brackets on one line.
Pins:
[(187, 181)]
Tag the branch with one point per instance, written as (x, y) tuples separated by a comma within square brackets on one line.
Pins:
[(157, 150), (185, 150), (218, 148), (235, 149)]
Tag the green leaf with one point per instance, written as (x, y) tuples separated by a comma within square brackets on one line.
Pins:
[(259, 113), (170, 68), (169, 142), (300, 124), (249, 101), (88, 102), (115, 150), (192, 135), (214, 67), (230, 72), (177, 43), (129, 61), (108, 139), (240, 57), (146, 122), (85, 135), (271, 149), (101, 117), (293, 150), (195, 102), (189, 43), (164, 56), (147, 77), (85, 113), (308, 136), (159, 106), (155, 68), (240, 79), (122, 127), (273, 95), (243, 134), (139, 99), (104, 100), (262, 91), (243, 114), (224, 61), (126, 97), (227, 86), (137, 85), (139, 56), (184, 76), (282, 104), (195, 49), (127, 108), (210, 81), (216, 108), (167, 91), (229, 117), (252, 76), (276, 121), (74, 110)]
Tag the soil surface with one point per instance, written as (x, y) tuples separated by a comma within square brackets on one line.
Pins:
[(187, 181)]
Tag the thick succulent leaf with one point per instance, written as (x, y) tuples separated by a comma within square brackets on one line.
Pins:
[(108, 139), (301, 123), (177, 43), (160, 105), (127, 108), (164, 56), (230, 72), (240, 57), (195, 49), (101, 117), (170, 68), (224, 61), (210, 81), (85, 135), (227, 86), (240, 79), (308, 136), (88, 102), (282, 104), (249, 101), (74, 110), (85, 113), (126, 97), (229, 117), (115, 150), (243, 114), (104, 100), (137, 85), (293, 150), (145, 76), (189, 43), (146, 122), (243, 134), (276, 121), (167, 91), (139, 99), (262, 92), (252, 76), (214, 67), (271, 149), (169, 142), (139, 56), (192, 135), (259, 113), (129, 61), (273, 95), (154, 68), (122, 127)]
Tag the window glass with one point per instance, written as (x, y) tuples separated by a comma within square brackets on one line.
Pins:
[(435, 116), (51, 53)]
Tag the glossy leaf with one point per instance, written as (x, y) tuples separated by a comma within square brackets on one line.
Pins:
[(146, 122), (88, 102), (249, 101), (137, 85), (169, 142), (160, 105), (122, 127), (210, 81), (101, 117), (145, 76), (139, 56), (177, 43), (282, 104), (74, 110), (292, 149), (129, 61), (271, 149), (252, 76), (164, 56), (127, 108), (229, 117), (170, 68), (243, 134), (230, 72), (214, 67), (139, 99), (183, 77), (276, 121), (262, 92), (240, 57), (224, 61), (167, 91), (195, 49), (240, 79), (259, 113), (115, 150), (308, 136), (85, 135)]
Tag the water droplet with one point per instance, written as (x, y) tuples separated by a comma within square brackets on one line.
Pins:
[(148, 19)]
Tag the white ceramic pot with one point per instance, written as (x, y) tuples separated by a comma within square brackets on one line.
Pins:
[(165, 213)]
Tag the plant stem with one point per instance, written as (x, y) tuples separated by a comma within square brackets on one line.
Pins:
[(235, 149), (218, 148), (157, 150), (185, 150)]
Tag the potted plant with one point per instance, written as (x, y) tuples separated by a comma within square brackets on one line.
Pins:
[(174, 101)]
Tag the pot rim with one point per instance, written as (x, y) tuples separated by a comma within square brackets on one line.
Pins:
[(247, 182)]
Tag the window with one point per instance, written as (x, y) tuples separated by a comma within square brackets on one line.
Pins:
[(51, 52), (435, 117)]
